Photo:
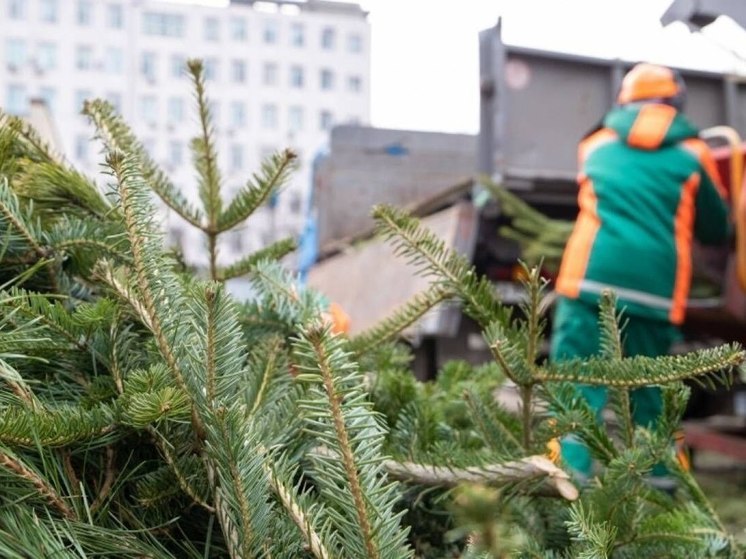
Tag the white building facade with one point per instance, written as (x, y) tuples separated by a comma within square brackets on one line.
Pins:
[(279, 74)]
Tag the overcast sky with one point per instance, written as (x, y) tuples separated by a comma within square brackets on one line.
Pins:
[(425, 67)]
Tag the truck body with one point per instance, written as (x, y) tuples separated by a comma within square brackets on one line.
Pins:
[(535, 107)]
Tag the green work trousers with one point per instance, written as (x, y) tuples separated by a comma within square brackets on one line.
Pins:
[(576, 334)]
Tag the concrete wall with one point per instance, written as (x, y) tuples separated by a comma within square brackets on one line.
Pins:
[(367, 166)]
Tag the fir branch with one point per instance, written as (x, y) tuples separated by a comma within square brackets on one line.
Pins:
[(595, 539), (116, 280), (532, 468), (343, 437), (242, 491), (19, 386), (164, 445), (497, 427), (43, 310), (283, 306), (40, 150), (685, 530), (53, 427), (430, 254), (86, 241), (634, 372), (206, 162), (117, 136), (55, 189), (274, 174), (109, 476), (338, 416), (402, 318), (300, 515), (508, 349), (264, 364), (167, 403), (133, 194), (218, 344), (572, 414), (612, 348), (14, 464), (10, 212), (247, 265), (48, 312), (205, 153)]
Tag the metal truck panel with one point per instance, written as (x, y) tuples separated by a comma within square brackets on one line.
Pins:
[(536, 105)]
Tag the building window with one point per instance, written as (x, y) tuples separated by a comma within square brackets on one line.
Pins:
[(15, 55), (212, 29), (17, 101), (327, 79), (328, 37), (148, 62), (17, 9), (178, 65), (114, 60), (48, 10), (81, 148), (238, 71), (295, 118), (175, 110), (238, 29), (269, 73), (149, 109), (49, 96), (211, 69), (116, 101), (84, 13), (269, 116), (297, 35), (115, 16), (164, 25), (238, 114), (354, 84), (237, 241), (270, 32), (354, 43), (175, 152), (83, 57), (175, 237), (326, 120), (296, 76), (214, 108), (236, 157), (150, 144), (81, 96), (295, 203), (46, 56)]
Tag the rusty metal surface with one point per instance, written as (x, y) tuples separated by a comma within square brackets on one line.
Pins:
[(370, 282)]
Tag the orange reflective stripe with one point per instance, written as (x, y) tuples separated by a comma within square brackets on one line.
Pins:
[(700, 149), (651, 125), (587, 145), (683, 227), (579, 245)]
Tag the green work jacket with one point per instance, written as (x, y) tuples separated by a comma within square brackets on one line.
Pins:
[(648, 187)]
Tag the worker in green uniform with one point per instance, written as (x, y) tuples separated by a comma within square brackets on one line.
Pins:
[(648, 186)]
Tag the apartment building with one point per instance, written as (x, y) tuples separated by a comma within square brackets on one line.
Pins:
[(279, 74)]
